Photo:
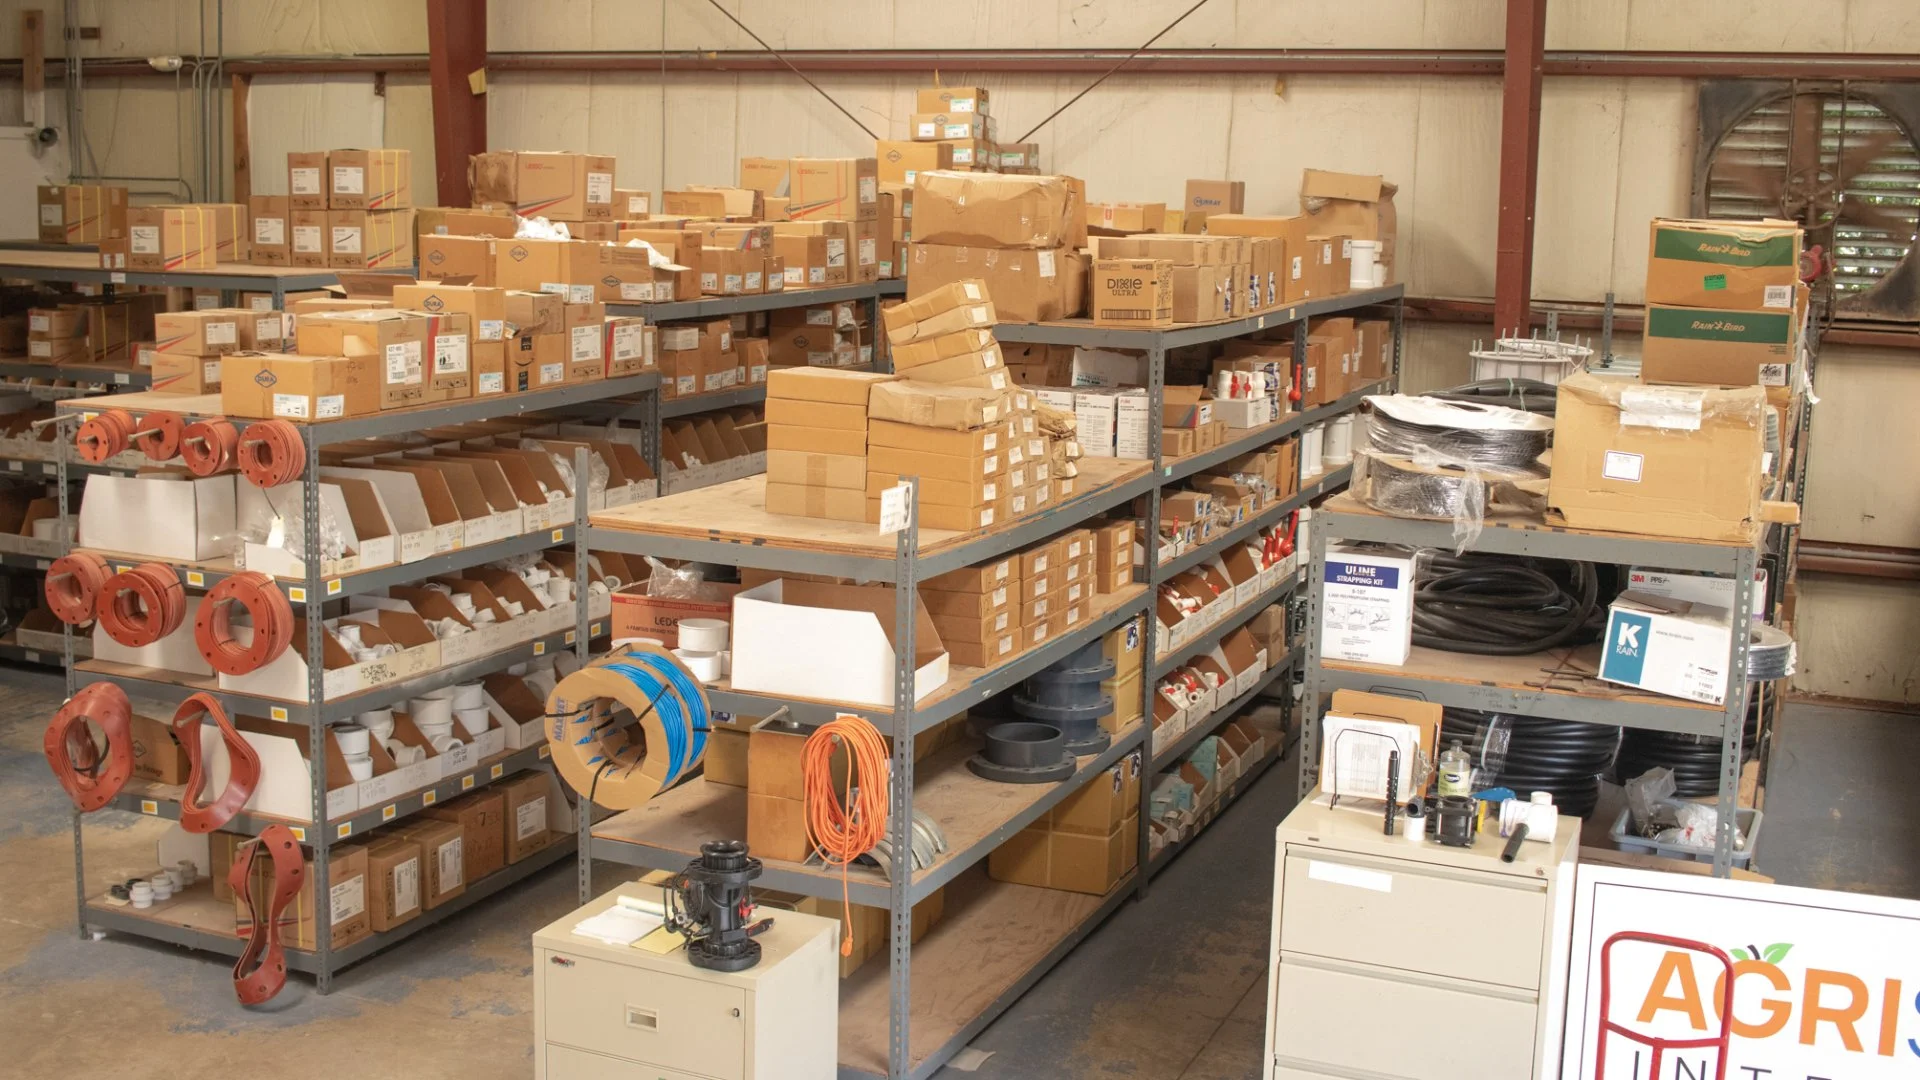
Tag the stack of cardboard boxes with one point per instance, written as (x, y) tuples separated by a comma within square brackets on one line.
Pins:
[(823, 335), (82, 213), (1021, 235), (817, 442), (989, 612), (569, 188), (1087, 844), (950, 129), (345, 209), (90, 330), (194, 236)]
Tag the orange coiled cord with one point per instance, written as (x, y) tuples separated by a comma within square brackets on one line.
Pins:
[(844, 825)]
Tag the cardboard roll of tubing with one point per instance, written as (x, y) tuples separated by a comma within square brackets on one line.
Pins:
[(209, 446), (159, 435), (141, 605), (91, 780), (73, 587), (243, 766), (271, 453), (267, 609), (104, 436), (621, 766), (261, 970)]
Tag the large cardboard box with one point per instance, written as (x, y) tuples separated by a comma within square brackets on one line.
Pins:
[(1715, 347), (569, 187), (901, 161), (566, 267), (1132, 292), (402, 344), (394, 880), (1723, 264), (369, 239), (1668, 646), (369, 179), (524, 814), (82, 213), (272, 238), (485, 308), (768, 176), (347, 890), (443, 863), (1296, 274), (1661, 460), (1209, 197), (263, 385), (993, 211), (307, 237), (462, 258), (1026, 285), (838, 189), (171, 238), (1358, 207), (307, 180), (483, 834)]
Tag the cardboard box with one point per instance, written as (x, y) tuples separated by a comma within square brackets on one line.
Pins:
[(769, 176), (82, 213), (937, 406), (272, 230), (1027, 285), (463, 221), (801, 500), (1723, 264), (1352, 205), (899, 162), (394, 874), (307, 180), (263, 385), (462, 258), (370, 180), (935, 125), (1129, 217), (993, 211), (347, 901), (1667, 646), (403, 344), (484, 307), (800, 468), (1711, 347), (524, 815), (442, 858), (1296, 276), (839, 387), (566, 267), (841, 189), (1132, 292), (1659, 460), (170, 238), (157, 755), (1367, 611), (175, 374), (369, 239), (196, 333), (568, 187), (1072, 862), (483, 837), (953, 99), (1208, 197), (832, 642)]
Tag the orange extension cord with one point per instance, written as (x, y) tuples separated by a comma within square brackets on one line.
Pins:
[(846, 825)]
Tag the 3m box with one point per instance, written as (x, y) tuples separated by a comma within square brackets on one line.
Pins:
[(1748, 265), (1367, 611), (82, 213), (1667, 646), (1712, 347)]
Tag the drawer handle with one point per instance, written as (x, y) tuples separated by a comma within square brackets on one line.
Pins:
[(644, 1019)]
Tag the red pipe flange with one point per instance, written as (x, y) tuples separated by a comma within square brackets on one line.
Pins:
[(261, 970), (90, 781), (267, 609), (208, 446), (159, 435), (243, 766), (271, 453), (103, 436), (140, 606), (73, 586)]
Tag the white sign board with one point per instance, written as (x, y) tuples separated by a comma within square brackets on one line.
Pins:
[(1824, 985)]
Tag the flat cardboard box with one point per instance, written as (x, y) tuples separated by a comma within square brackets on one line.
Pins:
[(1723, 264), (974, 442), (991, 210), (1132, 292), (1710, 347), (1353, 205), (838, 189), (263, 385), (900, 161), (481, 817), (943, 516), (1207, 197), (805, 500), (981, 370), (926, 350), (1659, 460), (980, 492), (991, 653), (1028, 285), (979, 578), (832, 642), (904, 319), (442, 858), (797, 467), (787, 411), (824, 385), (817, 440), (937, 406), (925, 464)]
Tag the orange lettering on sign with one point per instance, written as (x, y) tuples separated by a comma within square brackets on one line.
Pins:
[(1778, 1012), (1674, 965), (1843, 1018)]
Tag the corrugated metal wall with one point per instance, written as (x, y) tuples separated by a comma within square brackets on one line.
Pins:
[(1614, 153)]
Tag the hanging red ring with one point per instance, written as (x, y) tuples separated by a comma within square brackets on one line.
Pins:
[(243, 766), (103, 436), (208, 446), (261, 970), (267, 609), (73, 586), (159, 435), (271, 453), (90, 781), (140, 606)]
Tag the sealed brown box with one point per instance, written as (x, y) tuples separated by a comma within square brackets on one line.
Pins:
[(931, 125), (817, 440), (1336, 262), (462, 221), (732, 272), (394, 880), (1296, 275), (525, 815), (306, 238), (485, 308), (1208, 197), (984, 629), (261, 385), (170, 238), (1132, 292), (399, 341), (82, 213), (442, 859), (802, 500), (802, 468), (953, 518), (979, 578), (566, 267), (1723, 264), (1129, 217), (157, 755), (196, 333), (1713, 347), (937, 406), (181, 374), (971, 155), (837, 268), (977, 492), (935, 465), (570, 187), (347, 889), (1615, 470), (1026, 285), (787, 411), (843, 189), (825, 384), (482, 831), (369, 239), (768, 176), (995, 211), (468, 258), (369, 179), (536, 362), (307, 180), (1352, 205), (951, 99), (985, 654), (272, 240), (901, 161), (631, 346)]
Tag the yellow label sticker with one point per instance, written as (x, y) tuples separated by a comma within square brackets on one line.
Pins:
[(594, 629), (559, 536), (333, 587), (298, 832), (297, 595), (196, 579), (466, 782), (429, 797), (539, 648), (277, 712), (495, 772), (343, 830), (389, 812), (148, 806), (571, 636), (545, 751)]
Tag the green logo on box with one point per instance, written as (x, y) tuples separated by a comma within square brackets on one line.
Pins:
[(1714, 282)]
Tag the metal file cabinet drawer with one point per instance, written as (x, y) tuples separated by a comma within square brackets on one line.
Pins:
[(567, 1063), (691, 1025), (1339, 1020), (1440, 920)]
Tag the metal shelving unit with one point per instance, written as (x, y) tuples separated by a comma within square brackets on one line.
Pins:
[(642, 842), (1510, 684), (82, 268)]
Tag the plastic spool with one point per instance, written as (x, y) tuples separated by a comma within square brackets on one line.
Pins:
[(1338, 450), (208, 447), (267, 609), (1067, 696), (1365, 256), (141, 605), (703, 635), (620, 767), (73, 587), (159, 435), (104, 436), (1023, 752), (271, 453), (706, 666), (1770, 654)]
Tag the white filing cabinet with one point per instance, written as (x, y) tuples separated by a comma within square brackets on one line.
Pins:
[(611, 1012), (1393, 960)]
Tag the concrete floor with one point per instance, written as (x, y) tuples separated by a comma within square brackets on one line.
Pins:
[(1171, 988)]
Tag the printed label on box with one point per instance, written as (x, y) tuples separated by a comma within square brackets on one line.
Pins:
[(586, 343), (629, 341), (52, 214), (493, 330), (1777, 296), (530, 818), (292, 406), (1619, 465), (306, 239), (210, 372), (403, 362), (347, 899), (271, 231), (449, 354), (600, 188), (836, 251), (222, 333), (145, 240), (636, 290), (304, 181), (346, 238), (1044, 261), (493, 383), (349, 180), (406, 885), (329, 406), (553, 374), (1773, 374), (451, 866)]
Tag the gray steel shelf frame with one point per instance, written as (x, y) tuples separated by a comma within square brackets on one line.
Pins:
[(17, 369), (713, 307), (277, 284), (906, 567)]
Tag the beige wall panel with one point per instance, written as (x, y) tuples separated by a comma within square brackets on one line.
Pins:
[(1738, 26), (1117, 141), (1655, 175), (409, 126), (1379, 24), (570, 25), (544, 111), (882, 24), (1883, 26), (1860, 485), (1464, 24), (1434, 355), (624, 119), (1274, 137), (1587, 24), (783, 117), (1580, 132), (688, 26), (290, 113), (136, 127), (702, 122), (1456, 189), (316, 27), (1856, 638)]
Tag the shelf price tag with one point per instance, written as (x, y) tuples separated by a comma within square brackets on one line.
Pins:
[(429, 797), (16, 466), (466, 782), (895, 504), (539, 648), (297, 594), (572, 635), (299, 833), (389, 812), (333, 587), (116, 277), (277, 712), (496, 772), (196, 579), (593, 629), (343, 830), (148, 806), (559, 536), (545, 751), (122, 378)]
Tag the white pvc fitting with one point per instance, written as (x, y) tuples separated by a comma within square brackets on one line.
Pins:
[(703, 635)]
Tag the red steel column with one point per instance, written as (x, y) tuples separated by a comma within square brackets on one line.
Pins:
[(1519, 162), (457, 47)]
